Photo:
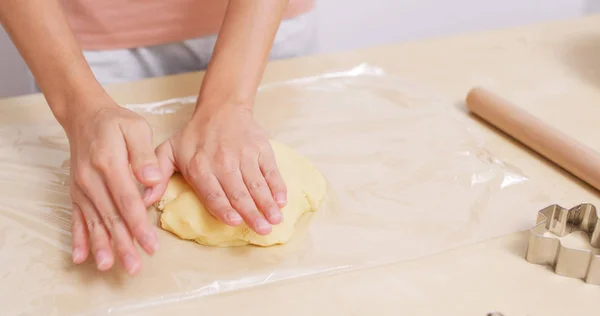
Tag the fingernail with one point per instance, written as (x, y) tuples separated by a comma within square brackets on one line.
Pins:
[(275, 216), (233, 218), (262, 225), (147, 192), (131, 265), (102, 260), (77, 255), (281, 199), (151, 173)]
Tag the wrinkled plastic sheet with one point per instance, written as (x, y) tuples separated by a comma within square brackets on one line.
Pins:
[(408, 177)]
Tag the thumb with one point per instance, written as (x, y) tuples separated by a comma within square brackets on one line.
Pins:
[(144, 163), (166, 161)]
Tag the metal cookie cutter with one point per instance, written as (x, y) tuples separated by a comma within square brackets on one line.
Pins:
[(575, 263)]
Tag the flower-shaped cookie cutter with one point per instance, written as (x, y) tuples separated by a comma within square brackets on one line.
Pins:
[(548, 250)]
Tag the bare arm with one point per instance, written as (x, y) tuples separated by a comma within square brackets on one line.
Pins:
[(241, 52), (222, 152), (41, 33), (104, 138)]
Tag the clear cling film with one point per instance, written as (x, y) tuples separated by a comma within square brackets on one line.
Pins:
[(408, 177)]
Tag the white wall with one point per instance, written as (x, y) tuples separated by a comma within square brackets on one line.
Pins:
[(349, 24), (346, 24)]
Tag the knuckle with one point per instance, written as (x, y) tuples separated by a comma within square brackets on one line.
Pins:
[(198, 174), (93, 225), (103, 160), (82, 177), (111, 220), (191, 169), (128, 202), (77, 229), (252, 153), (139, 124), (239, 195), (226, 162), (76, 221), (138, 229), (195, 168), (267, 203), (271, 173), (221, 211), (137, 223), (250, 215), (213, 196), (122, 249), (76, 224), (232, 173), (135, 215), (255, 185)]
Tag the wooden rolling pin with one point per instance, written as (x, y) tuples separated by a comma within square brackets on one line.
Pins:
[(578, 159)]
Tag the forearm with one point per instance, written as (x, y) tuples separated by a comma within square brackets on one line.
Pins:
[(41, 33), (241, 52)]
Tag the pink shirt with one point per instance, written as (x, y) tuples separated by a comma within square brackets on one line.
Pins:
[(116, 24)]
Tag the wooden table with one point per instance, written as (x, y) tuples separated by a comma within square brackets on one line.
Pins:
[(552, 70)]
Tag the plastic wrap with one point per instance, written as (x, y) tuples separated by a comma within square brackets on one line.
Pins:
[(407, 177)]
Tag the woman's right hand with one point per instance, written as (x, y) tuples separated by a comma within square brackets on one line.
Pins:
[(108, 210)]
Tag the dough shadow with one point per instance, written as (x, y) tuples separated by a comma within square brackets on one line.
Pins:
[(275, 255), (87, 273)]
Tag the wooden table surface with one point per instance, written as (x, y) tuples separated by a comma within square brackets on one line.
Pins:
[(551, 69)]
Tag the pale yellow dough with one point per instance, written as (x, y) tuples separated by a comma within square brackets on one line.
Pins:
[(184, 215)]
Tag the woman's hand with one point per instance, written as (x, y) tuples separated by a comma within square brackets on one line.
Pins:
[(222, 153), (225, 156), (108, 209)]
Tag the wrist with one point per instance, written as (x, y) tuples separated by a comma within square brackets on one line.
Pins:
[(71, 104), (224, 92), (205, 109), (219, 99), (74, 107)]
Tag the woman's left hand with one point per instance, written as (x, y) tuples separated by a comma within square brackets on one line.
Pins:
[(227, 159)]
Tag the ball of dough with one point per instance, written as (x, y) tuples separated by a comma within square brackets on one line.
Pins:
[(184, 215)]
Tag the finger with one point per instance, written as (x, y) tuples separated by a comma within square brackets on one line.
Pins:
[(79, 235), (101, 198), (270, 171), (201, 178), (119, 195), (138, 139), (166, 162), (98, 236), (260, 192), (241, 200)]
